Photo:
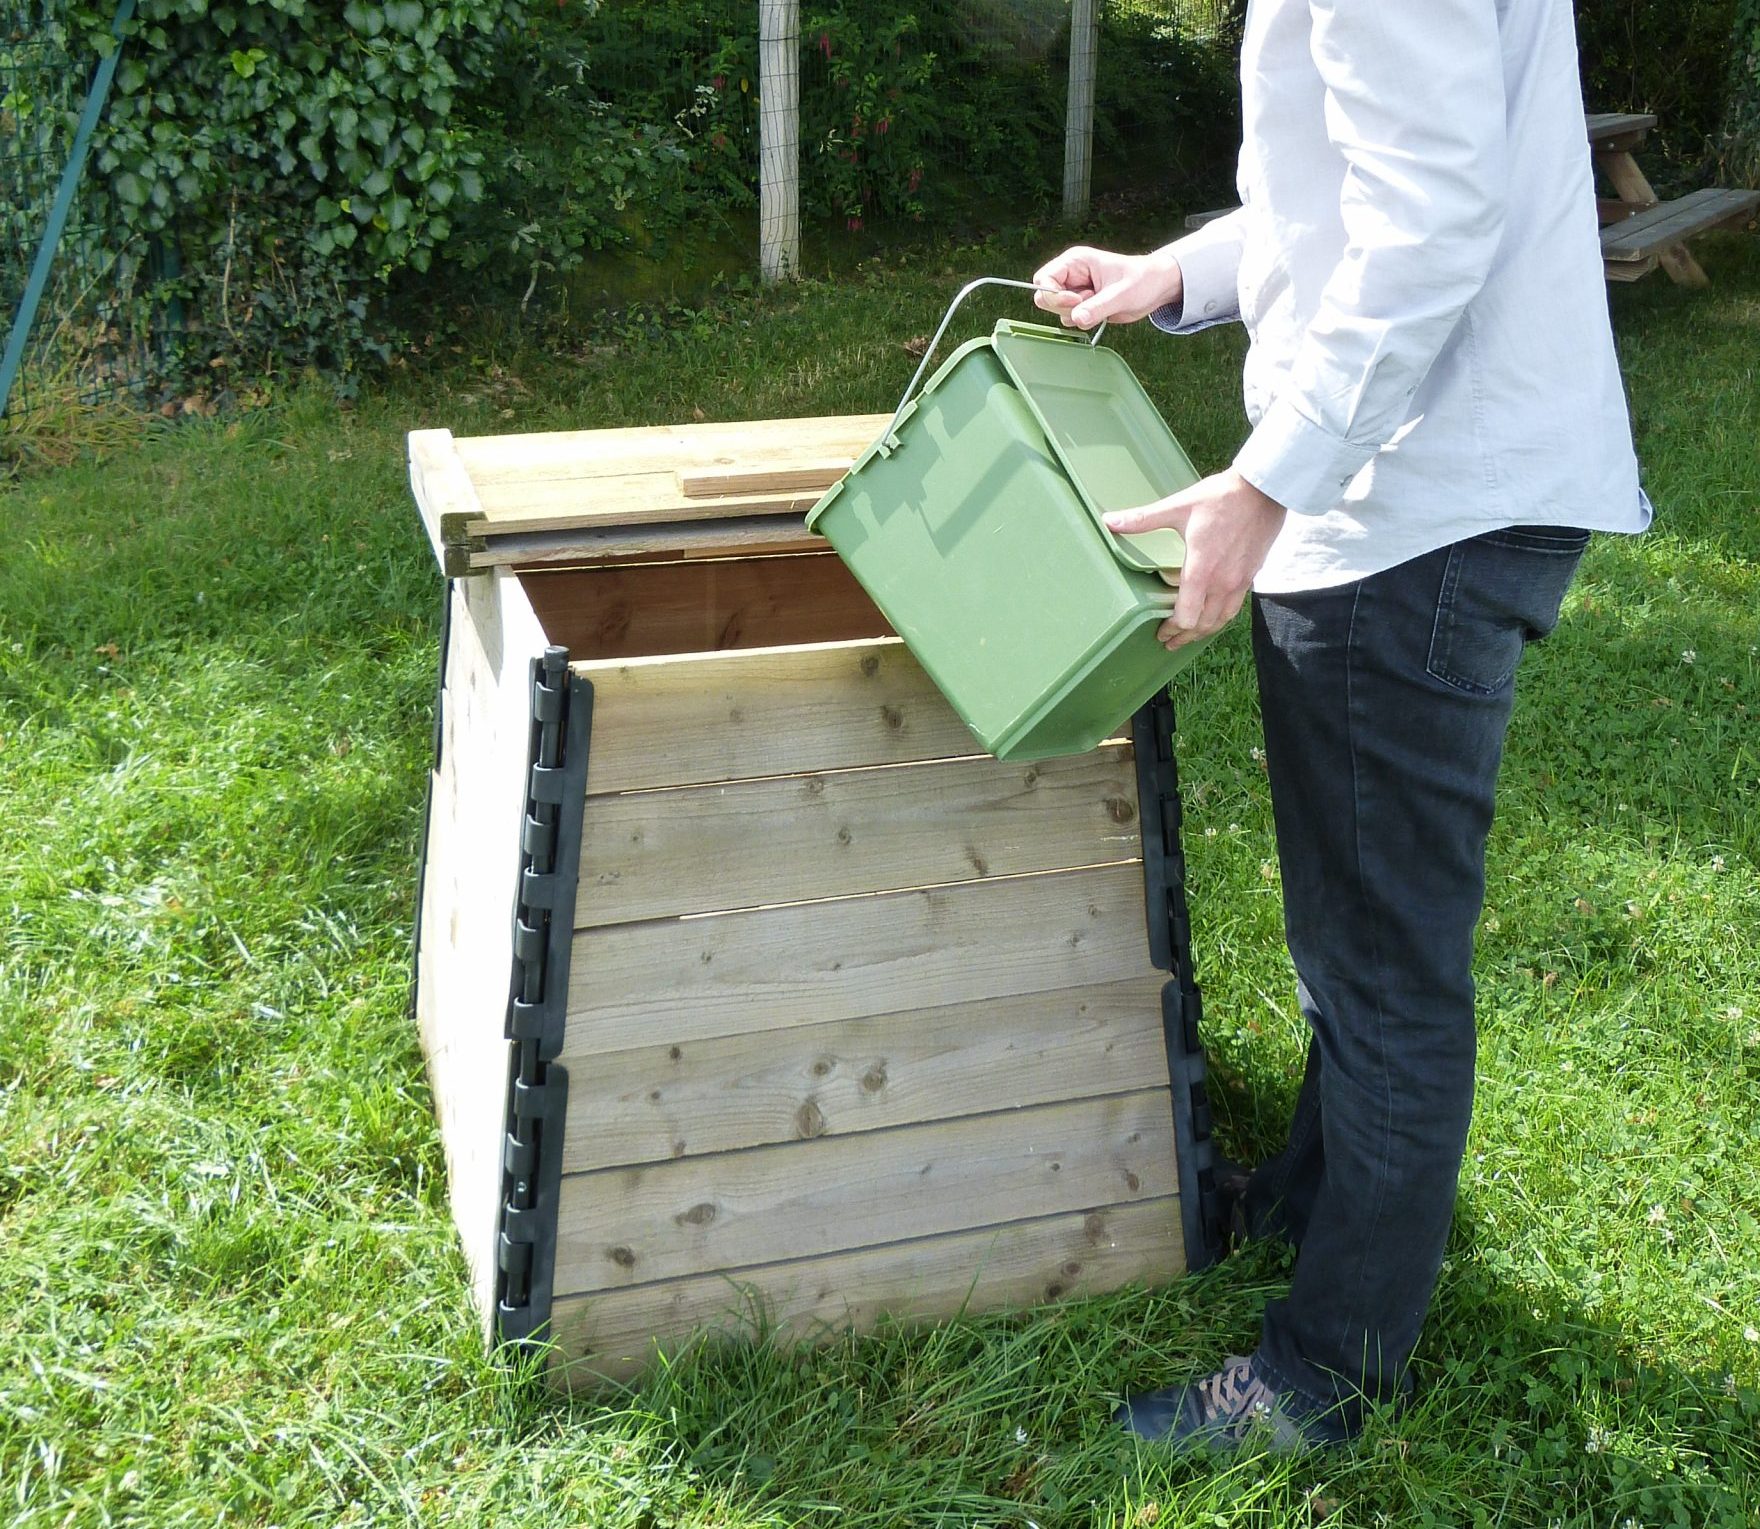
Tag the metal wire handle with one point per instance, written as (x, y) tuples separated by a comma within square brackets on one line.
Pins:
[(947, 318)]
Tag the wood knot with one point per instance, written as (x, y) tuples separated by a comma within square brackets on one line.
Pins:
[(675, 1053), (870, 666), (1094, 1226), (1120, 810), (623, 1258), (697, 1215), (815, 785), (979, 863), (1071, 1269), (809, 1121), (653, 1096), (822, 1067), (874, 1079), (844, 836), (892, 717), (1030, 776), (1055, 1289), (1133, 1181)]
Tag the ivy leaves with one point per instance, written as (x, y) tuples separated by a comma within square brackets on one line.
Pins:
[(264, 130)]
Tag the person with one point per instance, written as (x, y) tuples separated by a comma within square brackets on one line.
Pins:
[(1437, 424)]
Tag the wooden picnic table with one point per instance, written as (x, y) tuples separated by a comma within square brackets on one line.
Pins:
[(1639, 231)]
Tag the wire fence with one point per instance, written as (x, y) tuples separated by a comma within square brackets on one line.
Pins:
[(816, 120), (89, 340)]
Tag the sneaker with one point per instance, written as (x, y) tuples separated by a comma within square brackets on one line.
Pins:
[(1233, 1408)]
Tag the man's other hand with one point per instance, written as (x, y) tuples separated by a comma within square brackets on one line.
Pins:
[(1229, 527), (1084, 286)]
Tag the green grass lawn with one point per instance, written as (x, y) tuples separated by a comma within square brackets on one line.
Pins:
[(229, 1289)]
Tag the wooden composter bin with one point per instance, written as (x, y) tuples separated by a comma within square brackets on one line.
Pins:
[(746, 983)]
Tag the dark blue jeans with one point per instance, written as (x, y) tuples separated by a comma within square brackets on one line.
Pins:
[(1385, 705)]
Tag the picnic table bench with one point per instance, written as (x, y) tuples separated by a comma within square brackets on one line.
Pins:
[(1639, 231)]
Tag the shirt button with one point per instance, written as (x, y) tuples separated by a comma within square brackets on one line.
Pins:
[(1210, 307)]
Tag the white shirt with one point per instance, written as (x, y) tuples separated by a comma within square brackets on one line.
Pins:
[(1417, 262)]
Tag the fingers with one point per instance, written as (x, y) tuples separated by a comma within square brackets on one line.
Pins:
[(1109, 302), (1070, 269), (1175, 511), (1206, 614)]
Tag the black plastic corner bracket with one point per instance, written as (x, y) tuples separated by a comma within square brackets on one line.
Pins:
[(1170, 948), (543, 937)]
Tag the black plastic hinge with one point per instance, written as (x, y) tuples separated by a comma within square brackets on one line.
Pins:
[(543, 939), (1170, 948)]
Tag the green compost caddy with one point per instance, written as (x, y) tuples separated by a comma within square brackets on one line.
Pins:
[(975, 524)]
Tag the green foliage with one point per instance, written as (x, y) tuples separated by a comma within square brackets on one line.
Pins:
[(1740, 149), (1670, 57), (296, 155), (635, 126), (565, 169)]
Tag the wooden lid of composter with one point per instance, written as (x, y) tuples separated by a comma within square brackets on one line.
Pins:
[(580, 497)]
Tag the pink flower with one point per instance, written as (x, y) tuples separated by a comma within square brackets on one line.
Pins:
[(854, 225), (825, 44)]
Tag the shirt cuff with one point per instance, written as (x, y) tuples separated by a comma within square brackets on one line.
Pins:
[(1209, 264), (1300, 464)]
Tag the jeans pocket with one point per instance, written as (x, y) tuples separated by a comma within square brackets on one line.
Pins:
[(1500, 591)]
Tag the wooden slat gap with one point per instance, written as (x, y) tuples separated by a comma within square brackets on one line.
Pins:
[(929, 886), (928, 761), (856, 897)]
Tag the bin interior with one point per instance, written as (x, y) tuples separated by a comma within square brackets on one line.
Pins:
[(634, 610)]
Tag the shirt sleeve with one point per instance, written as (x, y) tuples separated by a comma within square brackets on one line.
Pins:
[(1414, 103), (1209, 262)]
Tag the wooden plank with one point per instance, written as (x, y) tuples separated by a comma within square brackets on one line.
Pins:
[(697, 1215), (668, 448), (661, 1101), (626, 499), (1610, 209), (694, 718), (615, 1334), (1602, 127), (1671, 222), (1654, 229), (465, 926), (596, 546), (650, 609), (1628, 270), (737, 973), (445, 497), (800, 837), (730, 482)]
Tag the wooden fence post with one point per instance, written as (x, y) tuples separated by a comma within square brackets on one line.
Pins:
[(1078, 140), (779, 136)]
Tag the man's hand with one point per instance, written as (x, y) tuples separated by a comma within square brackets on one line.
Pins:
[(1084, 286), (1229, 527)]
